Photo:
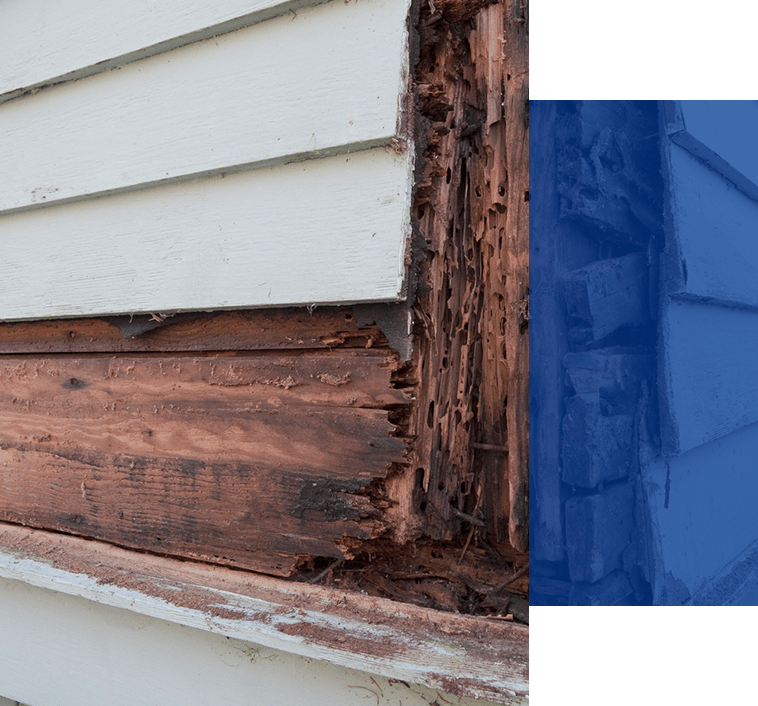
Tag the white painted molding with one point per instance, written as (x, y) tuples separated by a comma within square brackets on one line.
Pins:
[(325, 81), (47, 41), (464, 656)]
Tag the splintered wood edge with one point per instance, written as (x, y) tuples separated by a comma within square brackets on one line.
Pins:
[(460, 655)]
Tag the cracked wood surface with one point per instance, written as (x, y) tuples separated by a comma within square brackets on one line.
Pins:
[(460, 655), (248, 460), (472, 205)]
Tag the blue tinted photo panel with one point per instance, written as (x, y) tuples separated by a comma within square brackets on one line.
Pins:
[(643, 373)]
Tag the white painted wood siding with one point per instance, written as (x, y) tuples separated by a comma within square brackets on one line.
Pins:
[(714, 226), (708, 130), (45, 41), (327, 231), (320, 82), (168, 183), (709, 318)]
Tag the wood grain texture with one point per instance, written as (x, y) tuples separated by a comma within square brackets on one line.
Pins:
[(44, 41), (471, 202), (709, 380), (515, 396), (327, 230), (257, 329), (247, 460), (713, 252), (606, 295), (463, 655), (721, 134), (329, 79)]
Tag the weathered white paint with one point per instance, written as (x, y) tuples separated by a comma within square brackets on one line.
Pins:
[(61, 650), (722, 135), (327, 80), (328, 230), (42, 41), (712, 236), (709, 309), (702, 540), (710, 379), (353, 631)]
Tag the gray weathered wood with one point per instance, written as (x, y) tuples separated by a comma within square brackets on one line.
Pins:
[(596, 447), (607, 294)]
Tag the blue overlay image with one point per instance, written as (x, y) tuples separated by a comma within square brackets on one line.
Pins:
[(643, 352)]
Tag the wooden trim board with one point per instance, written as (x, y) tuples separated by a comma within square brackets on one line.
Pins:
[(248, 460), (459, 655)]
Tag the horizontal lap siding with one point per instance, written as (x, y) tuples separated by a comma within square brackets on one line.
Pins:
[(328, 230), (44, 40), (165, 184), (323, 81), (716, 254), (710, 269), (708, 130)]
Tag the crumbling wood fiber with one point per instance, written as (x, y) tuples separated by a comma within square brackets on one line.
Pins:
[(249, 458), (471, 203)]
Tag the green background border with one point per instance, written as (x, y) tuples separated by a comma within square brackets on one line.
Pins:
[(643, 49)]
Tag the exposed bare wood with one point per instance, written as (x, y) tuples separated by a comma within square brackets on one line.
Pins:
[(516, 117), (261, 329), (472, 205), (247, 460)]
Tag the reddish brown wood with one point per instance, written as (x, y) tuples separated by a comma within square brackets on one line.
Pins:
[(515, 43), (472, 205), (249, 460), (208, 433), (269, 329)]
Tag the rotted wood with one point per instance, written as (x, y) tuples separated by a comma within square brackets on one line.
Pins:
[(472, 206), (255, 461), (257, 329)]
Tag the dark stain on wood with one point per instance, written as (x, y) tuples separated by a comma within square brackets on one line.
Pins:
[(207, 456), (327, 495)]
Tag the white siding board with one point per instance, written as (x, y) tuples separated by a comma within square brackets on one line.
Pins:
[(713, 226), (326, 80), (709, 386), (330, 230), (722, 135), (44, 41)]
